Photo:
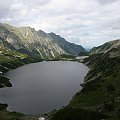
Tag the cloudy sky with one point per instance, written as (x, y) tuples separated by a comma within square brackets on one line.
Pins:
[(86, 22)]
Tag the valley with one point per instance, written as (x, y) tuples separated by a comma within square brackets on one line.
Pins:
[(99, 97)]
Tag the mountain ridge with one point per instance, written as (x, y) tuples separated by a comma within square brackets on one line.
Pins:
[(39, 43)]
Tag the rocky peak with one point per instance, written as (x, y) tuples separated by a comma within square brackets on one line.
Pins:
[(39, 43), (41, 33)]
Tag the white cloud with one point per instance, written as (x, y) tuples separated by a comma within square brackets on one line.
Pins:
[(86, 22)]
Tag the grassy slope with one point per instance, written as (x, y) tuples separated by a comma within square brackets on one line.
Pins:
[(11, 59), (8, 62), (100, 94)]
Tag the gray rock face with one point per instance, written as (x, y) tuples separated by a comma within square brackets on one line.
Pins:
[(28, 40), (70, 48)]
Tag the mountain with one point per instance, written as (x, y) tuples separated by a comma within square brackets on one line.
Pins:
[(100, 96), (107, 47), (70, 48), (37, 43)]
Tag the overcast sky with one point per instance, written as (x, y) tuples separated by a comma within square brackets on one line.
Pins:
[(86, 22)]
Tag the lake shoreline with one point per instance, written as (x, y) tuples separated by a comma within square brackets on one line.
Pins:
[(43, 61), (6, 80)]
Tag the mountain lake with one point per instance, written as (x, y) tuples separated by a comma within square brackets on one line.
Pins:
[(41, 87)]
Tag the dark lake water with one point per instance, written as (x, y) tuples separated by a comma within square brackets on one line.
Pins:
[(41, 87)]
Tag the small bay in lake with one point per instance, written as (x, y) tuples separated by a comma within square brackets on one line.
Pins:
[(40, 87)]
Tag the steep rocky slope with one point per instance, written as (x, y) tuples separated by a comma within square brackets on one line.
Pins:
[(100, 96), (10, 58), (70, 48), (37, 43)]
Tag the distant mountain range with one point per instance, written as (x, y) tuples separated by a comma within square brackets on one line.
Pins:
[(36, 43)]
